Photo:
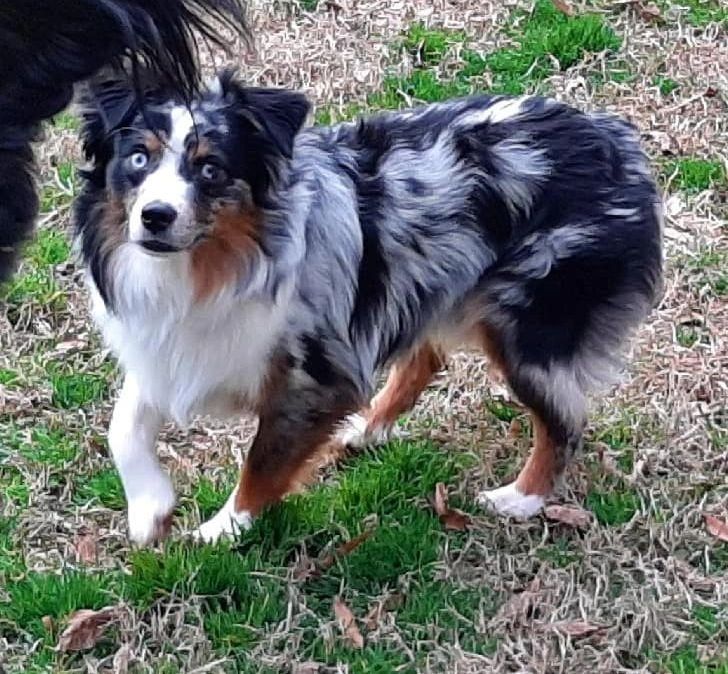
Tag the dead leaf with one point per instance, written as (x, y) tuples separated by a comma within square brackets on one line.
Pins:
[(579, 629), (347, 622), (86, 549), (515, 430), (451, 518), (716, 527), (47, 623), (564, 7), (650, 12), (85, 628), (572, 516), (344, 549), (710, 92)]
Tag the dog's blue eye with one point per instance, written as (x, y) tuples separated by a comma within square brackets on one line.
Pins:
[(211, 173), (138, 160)]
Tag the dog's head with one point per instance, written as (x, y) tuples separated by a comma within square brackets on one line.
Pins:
[(178, 179)]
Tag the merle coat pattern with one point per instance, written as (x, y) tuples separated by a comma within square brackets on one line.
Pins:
[(520, 226)]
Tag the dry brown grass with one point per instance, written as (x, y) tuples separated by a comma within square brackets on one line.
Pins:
[(640, 580)]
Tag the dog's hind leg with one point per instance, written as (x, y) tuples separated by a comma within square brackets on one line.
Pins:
[(407, 378), (557, 405)]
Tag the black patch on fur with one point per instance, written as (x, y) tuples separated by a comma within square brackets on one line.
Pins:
[(316, 364)]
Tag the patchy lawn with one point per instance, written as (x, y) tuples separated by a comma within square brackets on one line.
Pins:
[(641, 586)]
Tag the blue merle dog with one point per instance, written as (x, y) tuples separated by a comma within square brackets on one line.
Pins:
[(241, 263)]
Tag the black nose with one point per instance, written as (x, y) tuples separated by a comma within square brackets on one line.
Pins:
[(157, 216)]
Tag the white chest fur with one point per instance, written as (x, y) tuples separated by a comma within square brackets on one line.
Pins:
[(186, 356)]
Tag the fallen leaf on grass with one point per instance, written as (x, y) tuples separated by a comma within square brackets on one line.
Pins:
[(307, 568), (347, 622), (515, 430), (451, 518), (86, 549), (344, 549), (47, 623), (716, 527), (579, 628), (85, 628), (564, 7), (650, 12), (570, 515)]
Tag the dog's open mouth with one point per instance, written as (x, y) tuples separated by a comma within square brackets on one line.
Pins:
[(158, 246)]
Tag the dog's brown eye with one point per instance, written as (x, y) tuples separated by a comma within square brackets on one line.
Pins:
[(212, 173)]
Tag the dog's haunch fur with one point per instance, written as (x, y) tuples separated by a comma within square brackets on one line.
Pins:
[(241, 263)]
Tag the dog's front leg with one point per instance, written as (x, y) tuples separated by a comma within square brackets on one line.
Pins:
[(292, 431), (149, 493)]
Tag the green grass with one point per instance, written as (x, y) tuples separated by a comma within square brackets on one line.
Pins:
[(562, 553), (67, 121), (9, 377), (613, 504), (245, 582), (37, 283), (72, 390), (708, 623), (700, 13), (13, 487), (708, 268), (103, 487), (686, 661), (59, 194), (690, 174), (547, 33), (43, 445), (428, 46), (420, 85), (666, 85)]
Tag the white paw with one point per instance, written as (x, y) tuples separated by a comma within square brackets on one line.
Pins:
[(225, 524), (150, 514), (511, 502), (355, 433)]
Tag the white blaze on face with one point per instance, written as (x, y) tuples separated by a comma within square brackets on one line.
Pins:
[(165, 183)]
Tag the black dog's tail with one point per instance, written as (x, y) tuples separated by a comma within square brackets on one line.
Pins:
[(47, 47)]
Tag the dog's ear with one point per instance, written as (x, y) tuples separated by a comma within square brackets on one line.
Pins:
[(277, 115), (106, 103)]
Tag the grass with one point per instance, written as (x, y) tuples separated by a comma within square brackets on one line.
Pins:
[(36, 282), (686, 661), (77, 389), (428, 46), (245, 583), (700, 13), (42, 445), (442, 600), (613, 505), (547, 34), (666, 85), (691, 175)]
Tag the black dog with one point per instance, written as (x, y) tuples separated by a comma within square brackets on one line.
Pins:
[(47, 47)]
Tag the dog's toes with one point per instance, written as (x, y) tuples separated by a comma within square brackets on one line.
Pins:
[(355, 433), (224, 525), (511, 502), (150, 518)]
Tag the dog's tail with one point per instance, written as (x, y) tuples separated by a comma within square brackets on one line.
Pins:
[(47, 47)]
